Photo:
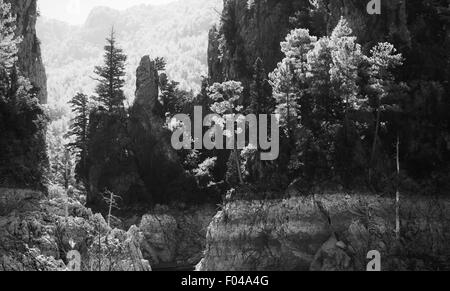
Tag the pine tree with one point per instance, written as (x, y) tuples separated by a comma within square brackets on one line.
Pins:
[(261, 100), (8, 39), (346, 59), (289, 78), (79, 129), (61, 159), (226, 97), (111, 76), (169, 96), (382, 60), (328, 107), (202, 98)]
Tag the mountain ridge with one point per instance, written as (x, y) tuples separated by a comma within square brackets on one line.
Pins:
[(177, 31)]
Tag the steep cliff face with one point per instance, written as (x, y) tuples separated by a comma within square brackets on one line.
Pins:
[(249, 31), (22, 119), (29, 59), (326, 233), (391, 25)]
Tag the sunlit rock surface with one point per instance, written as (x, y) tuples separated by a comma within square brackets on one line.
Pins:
[(29, 59), (37, 233), (326, 232)]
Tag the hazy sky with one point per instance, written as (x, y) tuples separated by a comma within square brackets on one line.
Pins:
[(76, 11)]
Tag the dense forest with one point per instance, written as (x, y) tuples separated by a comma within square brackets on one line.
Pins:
[(354, 115), (362, 103)]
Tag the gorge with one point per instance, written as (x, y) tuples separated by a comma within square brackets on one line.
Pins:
[(311, 209)]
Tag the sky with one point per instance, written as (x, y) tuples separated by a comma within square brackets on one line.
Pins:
[(76, 11)]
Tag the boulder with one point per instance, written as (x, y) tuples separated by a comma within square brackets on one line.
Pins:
[(160, 238), (175, 237), (331, 257), (118, 251)]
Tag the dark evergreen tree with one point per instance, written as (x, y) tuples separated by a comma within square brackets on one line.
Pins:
[(168, 96), (111, 76), (107, 130), (382, 61), (160, 64), (261, 100), (79, 131), (202, 98)]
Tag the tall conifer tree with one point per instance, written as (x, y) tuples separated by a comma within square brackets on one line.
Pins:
[(79, 128), (111, 76)]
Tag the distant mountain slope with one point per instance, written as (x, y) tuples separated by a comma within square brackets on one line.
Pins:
[(176, 31)]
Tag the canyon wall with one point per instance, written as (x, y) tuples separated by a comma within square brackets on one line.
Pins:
[(29, 59), (327, 232), (22, 119), (254, 30)]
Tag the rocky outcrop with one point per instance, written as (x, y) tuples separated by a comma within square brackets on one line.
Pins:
[(38, 234), (247, 33), (328, 232), (147, 85), (29, 59), (118, 250), (160, 238), (147, 169), (156, 161), (22, 119), (175, 237)]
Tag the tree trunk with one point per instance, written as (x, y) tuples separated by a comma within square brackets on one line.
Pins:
[(288, 117), (260, 168), (110, 209), (346, 142), (238, 166), (66, 207), (397, 198), (375, 142)]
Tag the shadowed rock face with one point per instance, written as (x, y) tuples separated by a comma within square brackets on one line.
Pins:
[(247, 32), (147, 108), (29, 59), (157, 162), (147, 84), (22, 129), (391, 25)]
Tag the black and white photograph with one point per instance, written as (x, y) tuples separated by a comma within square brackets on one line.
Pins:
[(224, 136)]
